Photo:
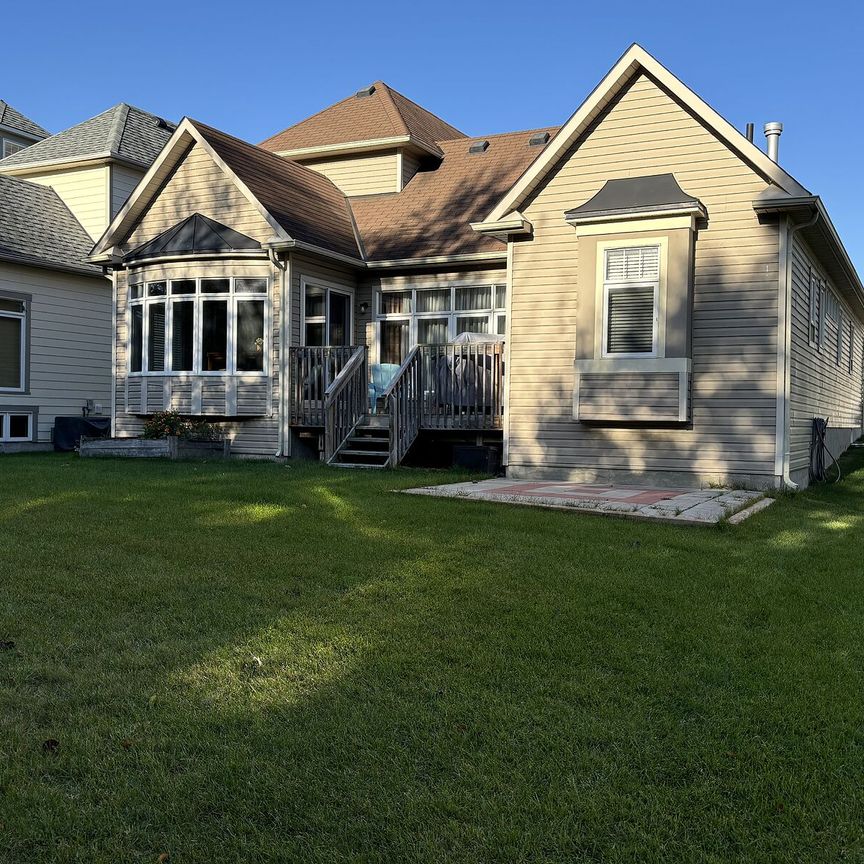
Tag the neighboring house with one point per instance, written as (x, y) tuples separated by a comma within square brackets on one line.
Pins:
[(17, 131), (55, 307), (675, 307)]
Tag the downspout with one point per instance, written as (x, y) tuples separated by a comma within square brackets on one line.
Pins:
[(282, 268), (786, 260)]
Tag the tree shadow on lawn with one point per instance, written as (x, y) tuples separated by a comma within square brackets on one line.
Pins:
[(243, 664)]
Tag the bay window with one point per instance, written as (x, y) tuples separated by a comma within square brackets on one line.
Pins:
[(198, 326), (13, 343), (436, 316)]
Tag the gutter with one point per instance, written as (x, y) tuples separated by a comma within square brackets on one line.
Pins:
[(26, 168)]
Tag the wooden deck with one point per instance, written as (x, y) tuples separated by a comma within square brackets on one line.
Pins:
[(459, 387)]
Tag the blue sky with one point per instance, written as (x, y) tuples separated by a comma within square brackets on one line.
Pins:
[(255, 68)]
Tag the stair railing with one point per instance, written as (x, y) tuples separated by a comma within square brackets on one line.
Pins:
[(404, 401), (346, 402)]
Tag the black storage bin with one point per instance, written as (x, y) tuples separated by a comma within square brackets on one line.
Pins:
[(68, 431), (482, 459)]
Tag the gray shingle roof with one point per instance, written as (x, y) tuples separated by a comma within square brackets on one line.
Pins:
[(12, 119), (37, 228), (123, 131)]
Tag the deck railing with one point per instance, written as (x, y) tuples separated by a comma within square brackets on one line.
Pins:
[(345, 402), (457, 387), (313, 370), (463, 386), (404, 401)]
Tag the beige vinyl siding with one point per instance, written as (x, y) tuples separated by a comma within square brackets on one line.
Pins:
[(70, 342), (85, 193), (123, 181), (734, 315), (410, 166), (361, 173), (198, 185), (819, 387)]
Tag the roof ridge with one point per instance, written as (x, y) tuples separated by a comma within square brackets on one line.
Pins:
[(118, 127), (391, 108), (425, 110)]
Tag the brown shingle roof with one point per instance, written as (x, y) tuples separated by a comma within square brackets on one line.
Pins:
[(431, 216), (306, 204), (384, 114)]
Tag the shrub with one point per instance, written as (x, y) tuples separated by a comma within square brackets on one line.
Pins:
[(166, 423)]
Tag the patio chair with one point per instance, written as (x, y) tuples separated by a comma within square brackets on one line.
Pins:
[(382, 374)]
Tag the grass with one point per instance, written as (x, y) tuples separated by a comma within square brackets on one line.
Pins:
[(253, 663)]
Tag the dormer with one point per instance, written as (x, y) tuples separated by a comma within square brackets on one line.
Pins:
[(370, 143)]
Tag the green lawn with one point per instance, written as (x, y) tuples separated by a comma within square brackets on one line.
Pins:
[(258, 662)]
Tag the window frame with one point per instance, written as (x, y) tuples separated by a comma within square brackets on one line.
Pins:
[(17, 147), (6, 415), (492, 314), (198, 299), (327, 288), (629, 285), (24, 326)]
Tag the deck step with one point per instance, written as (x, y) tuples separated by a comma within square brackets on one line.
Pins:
[(371, 465), (348, 452)]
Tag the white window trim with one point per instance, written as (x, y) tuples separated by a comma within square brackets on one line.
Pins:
[(658, 341), (17, 147), (21, 317), (327, 288), (5, 423), (491, 313), (231, 296)]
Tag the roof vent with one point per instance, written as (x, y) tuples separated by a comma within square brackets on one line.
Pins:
[(366, 91), (479, 147), (772, 134), (538, 139), (164, 124)]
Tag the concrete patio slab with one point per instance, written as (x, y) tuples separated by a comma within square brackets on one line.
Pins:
[(682, 506)]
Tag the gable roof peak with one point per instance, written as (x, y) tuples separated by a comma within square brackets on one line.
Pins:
[(633, 61)]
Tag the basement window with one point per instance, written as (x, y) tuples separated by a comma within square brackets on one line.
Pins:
[(16, 427)]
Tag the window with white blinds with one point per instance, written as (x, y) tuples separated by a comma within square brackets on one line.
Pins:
[(630, 291)]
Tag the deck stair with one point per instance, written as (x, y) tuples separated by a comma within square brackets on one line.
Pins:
[(368, 445)]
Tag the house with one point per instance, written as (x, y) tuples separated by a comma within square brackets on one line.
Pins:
[(17, 131), (56, 197), (640, 295)]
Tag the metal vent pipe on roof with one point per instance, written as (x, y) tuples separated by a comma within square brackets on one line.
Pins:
[(773, 131), (749, 132)]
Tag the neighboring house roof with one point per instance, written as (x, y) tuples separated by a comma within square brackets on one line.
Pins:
[(124, 133), (431, 216), (376, 113), (37, 229), (192, 236), (15, 121)]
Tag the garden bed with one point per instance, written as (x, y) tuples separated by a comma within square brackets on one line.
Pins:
[(171, 447)]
